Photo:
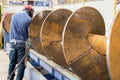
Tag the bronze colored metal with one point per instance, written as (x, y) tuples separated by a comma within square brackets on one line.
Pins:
[(83, 59), (113, 56), (98, 43), (51, 35), (7, 22), (34, 31)]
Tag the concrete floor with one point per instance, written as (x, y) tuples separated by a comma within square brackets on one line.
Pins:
[(4, 61)]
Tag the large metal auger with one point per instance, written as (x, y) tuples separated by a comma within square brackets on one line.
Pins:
[(65, 40), (77, 40), (85, 45)]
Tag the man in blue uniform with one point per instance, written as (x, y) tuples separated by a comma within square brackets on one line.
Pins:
[(18, 36)]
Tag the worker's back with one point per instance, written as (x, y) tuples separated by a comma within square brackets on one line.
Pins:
[(19, 26)]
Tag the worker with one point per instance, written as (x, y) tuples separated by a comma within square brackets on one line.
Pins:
[(18, 35)]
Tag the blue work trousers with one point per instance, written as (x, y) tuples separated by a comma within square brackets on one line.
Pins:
[(17, 51)]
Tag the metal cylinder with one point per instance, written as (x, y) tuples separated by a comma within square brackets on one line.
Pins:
[(34, 31), (83, 59), (51, 35), (98, 43)]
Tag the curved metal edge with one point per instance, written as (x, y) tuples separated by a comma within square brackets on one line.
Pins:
[(7, 22), (63, 35), (42, 29), (113, 49), (37, 45), (79, 61)]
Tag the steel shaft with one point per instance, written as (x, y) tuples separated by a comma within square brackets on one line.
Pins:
[(98, 42)]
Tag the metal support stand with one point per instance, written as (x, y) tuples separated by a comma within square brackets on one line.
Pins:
[(49, 69)]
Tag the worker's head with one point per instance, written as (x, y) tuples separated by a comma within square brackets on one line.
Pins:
[(29, 10)]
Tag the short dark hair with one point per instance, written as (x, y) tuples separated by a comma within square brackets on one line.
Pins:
[(29, 10)]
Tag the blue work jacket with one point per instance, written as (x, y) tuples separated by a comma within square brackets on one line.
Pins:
[(19, 26)]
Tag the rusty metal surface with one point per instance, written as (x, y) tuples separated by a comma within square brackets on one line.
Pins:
[(34, 31), (113, 56), (91, 66), (52, 35), (7, 22), (86, 62)]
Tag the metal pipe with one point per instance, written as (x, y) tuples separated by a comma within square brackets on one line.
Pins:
[(98, 42)]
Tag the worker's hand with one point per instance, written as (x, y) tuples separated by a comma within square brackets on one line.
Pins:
[(28, 43)]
